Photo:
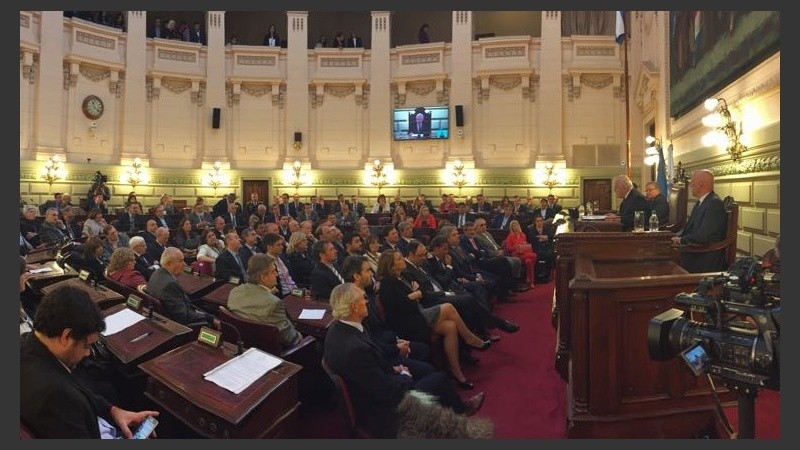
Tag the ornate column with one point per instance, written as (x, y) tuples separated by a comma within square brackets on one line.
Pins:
[(461, 85), (550, 90), (49, 86), (215, 139), (380, 98), (297, 103), (134, 101)]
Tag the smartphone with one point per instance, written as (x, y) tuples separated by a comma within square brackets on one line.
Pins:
[(696, 358), (146, 428)]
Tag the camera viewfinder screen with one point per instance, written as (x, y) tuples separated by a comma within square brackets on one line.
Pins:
[(696, 358)]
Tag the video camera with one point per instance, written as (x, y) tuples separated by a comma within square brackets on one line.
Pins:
[(100, 178), (739, 337)]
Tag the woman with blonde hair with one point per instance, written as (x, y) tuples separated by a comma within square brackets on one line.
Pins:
[(300, 265), (516, 244), (406, 317), (121, 268)]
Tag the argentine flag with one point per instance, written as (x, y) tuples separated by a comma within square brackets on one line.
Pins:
[(620, 29)]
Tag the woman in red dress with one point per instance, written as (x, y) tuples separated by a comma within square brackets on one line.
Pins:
[(516, 244), (425, 219)]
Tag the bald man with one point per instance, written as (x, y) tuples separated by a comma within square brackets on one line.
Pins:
[(707, 223)]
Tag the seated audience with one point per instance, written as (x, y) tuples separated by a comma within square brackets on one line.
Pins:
[(93, 258), (299, 263), (326, 275), (144, 264), (541, 235), (211, 249), (53, 402), (94, 223), (230, 263), (113, 240), (516, 244), (425, 219), (186, 239), (29, 225)]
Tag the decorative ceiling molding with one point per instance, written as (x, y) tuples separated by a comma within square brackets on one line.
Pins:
[(421, 58), (176, 86), (94, 73)]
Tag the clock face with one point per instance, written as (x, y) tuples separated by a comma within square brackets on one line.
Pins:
[(93, 107)]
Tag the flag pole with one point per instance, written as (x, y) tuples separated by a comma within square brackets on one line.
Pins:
[(628, 170)]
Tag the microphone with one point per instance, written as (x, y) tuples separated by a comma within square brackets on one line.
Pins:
[(239, 341)]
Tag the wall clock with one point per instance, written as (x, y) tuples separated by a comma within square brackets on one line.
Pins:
[(93, 107)]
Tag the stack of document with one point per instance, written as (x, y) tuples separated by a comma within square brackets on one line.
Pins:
[(240, 372)]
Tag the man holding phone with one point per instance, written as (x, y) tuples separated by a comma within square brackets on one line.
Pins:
[(53, 401)]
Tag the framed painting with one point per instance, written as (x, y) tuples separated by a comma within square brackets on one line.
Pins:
[(710, 49)]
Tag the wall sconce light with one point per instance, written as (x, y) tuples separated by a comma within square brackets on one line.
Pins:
[(727, 134), (651, 152), (53, 170), (550, 174), (298, 140), (135, 174), (93, 127), (459, 176), (297, 175), (378, 177), (216, 177)]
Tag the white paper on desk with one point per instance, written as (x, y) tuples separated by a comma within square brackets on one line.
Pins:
[(593, 217), (312, 314), (240, 372), (120, 320), (41, 270)]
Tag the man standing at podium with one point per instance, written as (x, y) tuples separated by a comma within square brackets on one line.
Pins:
[(632, 201), (53, 402)]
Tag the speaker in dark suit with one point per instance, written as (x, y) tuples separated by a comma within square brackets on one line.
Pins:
[(707, 223)]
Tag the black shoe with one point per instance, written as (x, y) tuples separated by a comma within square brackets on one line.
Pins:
[(463, 384), (507, 326), (484, 345)]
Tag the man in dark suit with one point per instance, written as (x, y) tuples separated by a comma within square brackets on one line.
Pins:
[(632, 201), (296, 206), (481, 205), (160, 216), (221, 207), (325, 275), (657, 202), (99, 202), (230, 262), (197, 34), (233, 217), (144, 265), (553, 206), (156, 248), (131, 221), (503, 220), (200, 219), (496, 265), (707, 223), (375, 386), (53, 402), (354, 41), (462, 216), (163, 285)]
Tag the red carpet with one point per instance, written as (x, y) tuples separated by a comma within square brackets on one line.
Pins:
[(525, 397)]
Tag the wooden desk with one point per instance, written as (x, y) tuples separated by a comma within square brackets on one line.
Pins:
[(198, 286), (615, 390), (374, 218), (103, 296), (218, 297), (600, 225), (266, 409), (317, 328), (41, 255), (609, 246), (39, 281), (166, 335)]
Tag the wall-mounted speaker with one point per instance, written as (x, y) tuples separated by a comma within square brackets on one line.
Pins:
[(459, 115), (215, 118), (298, 136)]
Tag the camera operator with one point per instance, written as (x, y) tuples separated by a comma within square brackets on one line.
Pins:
[(99, 185), (771, 261)]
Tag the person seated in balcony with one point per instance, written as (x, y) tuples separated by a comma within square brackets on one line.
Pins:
[(271, 38), (354, 41), (338, 41)]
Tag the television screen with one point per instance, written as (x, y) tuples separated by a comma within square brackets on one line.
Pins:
[(423, 122)]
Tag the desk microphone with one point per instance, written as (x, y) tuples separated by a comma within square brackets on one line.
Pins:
[(239, 341)]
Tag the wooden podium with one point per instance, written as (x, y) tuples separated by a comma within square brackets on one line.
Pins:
[(266, 409), (619, 282)]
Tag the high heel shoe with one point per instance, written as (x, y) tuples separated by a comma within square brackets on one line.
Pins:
[(484, 345), (463, 384)]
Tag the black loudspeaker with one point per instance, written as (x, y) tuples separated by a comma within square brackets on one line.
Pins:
[(459, 115), (215, 118), (298, 136)]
